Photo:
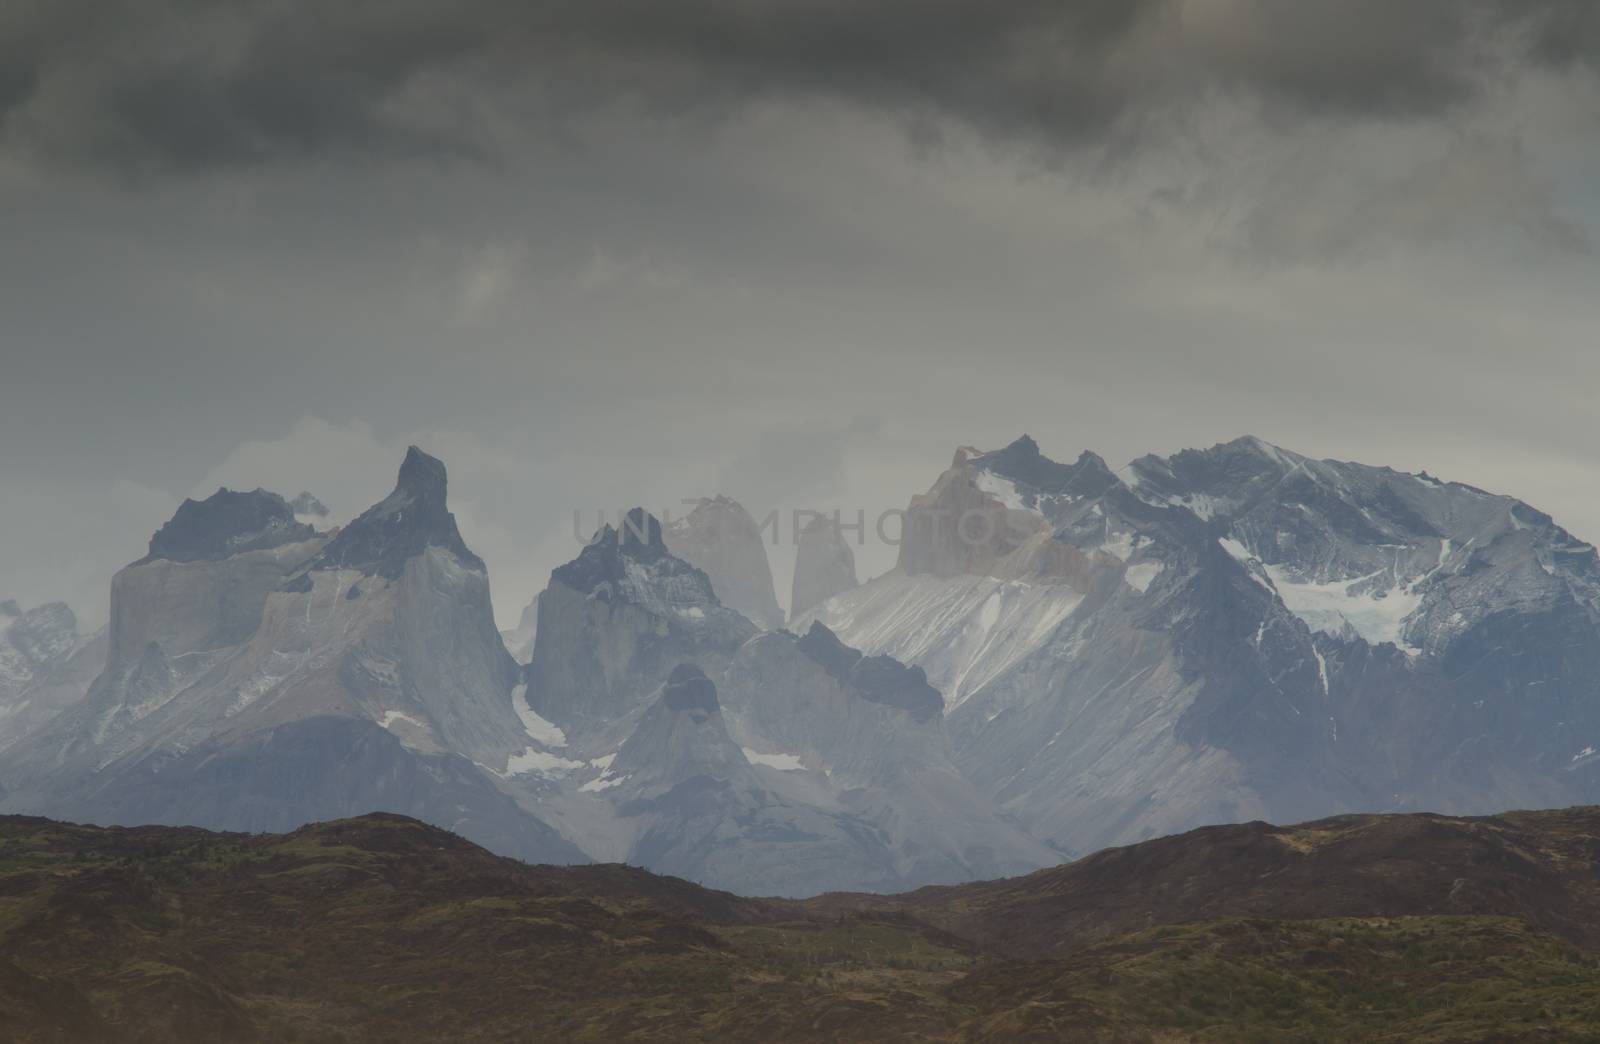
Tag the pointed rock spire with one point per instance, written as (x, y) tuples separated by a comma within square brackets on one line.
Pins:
[(404, 524)]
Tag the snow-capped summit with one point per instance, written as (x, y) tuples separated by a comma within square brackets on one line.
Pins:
[(1386, 556)]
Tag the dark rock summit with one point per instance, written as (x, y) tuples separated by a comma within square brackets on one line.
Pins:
[(602, 558), (404, 524), (877, 679), (688, 689), (227, 523), (1024, 464)]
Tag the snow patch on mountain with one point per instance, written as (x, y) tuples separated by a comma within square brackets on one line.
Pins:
[(1001, 489), (390, 717), (781, 762), (1121, 545), (537, 728), (963, 630), (1141, 575), (540, 762), (1377, 615)]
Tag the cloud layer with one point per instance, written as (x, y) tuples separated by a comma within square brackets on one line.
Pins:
[(140, 86), (605, 252)]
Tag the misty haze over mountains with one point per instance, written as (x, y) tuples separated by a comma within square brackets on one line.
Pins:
[(1065, 657)]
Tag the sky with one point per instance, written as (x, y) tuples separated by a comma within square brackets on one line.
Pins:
[(623, 251)]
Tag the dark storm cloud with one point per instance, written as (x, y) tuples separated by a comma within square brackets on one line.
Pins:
[(178, 84)]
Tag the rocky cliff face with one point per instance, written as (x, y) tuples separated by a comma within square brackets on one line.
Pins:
[(1239, 633), (236, 661), (824, 565), (721, 539)]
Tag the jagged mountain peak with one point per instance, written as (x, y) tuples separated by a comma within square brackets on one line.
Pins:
[(637, 540), (401, 526), (1023, 464), (227, 523)]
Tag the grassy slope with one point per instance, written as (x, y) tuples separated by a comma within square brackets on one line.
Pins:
[(383, 929)]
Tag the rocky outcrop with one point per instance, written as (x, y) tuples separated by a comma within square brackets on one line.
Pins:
[(877, 679), (721, 538), (824, 565)]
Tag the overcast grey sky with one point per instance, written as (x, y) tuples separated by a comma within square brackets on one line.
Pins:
[(596, 253)]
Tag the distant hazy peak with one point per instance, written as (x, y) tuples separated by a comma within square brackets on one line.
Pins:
[(824, 565), (309, 506), (721, 538)]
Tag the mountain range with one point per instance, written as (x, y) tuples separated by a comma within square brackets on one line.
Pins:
[(1066, 657)]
